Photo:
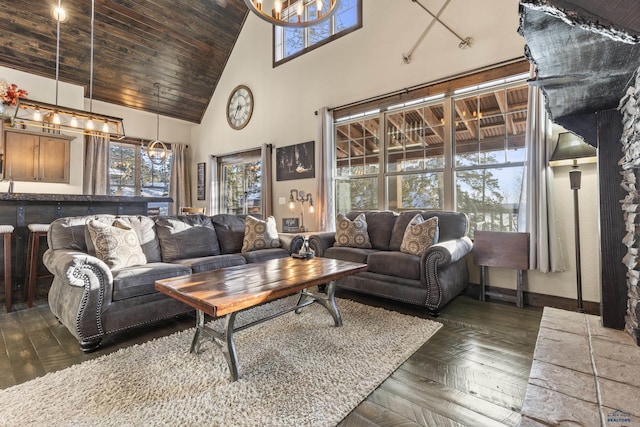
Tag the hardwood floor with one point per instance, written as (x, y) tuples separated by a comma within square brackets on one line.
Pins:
[(473, 372)]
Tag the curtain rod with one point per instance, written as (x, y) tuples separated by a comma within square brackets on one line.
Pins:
[(135, 140), (424, 85), (248, 150)]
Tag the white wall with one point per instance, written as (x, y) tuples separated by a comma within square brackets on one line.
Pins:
[(136, 123), (366, 63)]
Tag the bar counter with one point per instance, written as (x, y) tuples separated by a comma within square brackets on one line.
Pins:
[(22, 209)]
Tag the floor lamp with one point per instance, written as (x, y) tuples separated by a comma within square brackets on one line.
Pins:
[(572, 150)]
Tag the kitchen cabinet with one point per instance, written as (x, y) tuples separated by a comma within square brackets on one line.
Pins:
[(36, 156)]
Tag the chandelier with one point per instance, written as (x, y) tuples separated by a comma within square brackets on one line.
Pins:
[(157, 150), (292, 13), (53, 118)]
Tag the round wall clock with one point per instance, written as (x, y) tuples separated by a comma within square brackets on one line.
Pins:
[(239, 107)]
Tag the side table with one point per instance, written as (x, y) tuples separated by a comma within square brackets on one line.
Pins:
[(505, 250)]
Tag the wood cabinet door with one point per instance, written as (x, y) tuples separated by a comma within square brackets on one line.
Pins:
[(54, 160), (33, 157), (21, 156)]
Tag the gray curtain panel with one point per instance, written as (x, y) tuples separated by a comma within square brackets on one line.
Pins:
[(265, 181), (325, 151), (180, 182), (545, 252), (96, 164)]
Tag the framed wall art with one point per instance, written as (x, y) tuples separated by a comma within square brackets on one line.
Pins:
[(296, 161)]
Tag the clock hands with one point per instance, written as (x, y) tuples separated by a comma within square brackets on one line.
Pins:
[(239, 108)]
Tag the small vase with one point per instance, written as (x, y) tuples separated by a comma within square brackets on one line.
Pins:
[(6, 114)]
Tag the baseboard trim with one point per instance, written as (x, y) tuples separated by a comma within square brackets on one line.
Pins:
[(535, 300)]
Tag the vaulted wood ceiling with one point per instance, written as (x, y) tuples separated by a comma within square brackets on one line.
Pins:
[(181, 44)]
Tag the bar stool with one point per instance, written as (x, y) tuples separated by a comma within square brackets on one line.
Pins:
[(36, 232), (6, 231)]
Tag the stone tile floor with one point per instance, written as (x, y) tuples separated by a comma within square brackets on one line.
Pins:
[(582, 374)]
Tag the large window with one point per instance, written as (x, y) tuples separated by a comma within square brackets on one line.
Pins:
[(489, 156), (240, 183), (463, 151), (131, 173), (357, 164), (289, 43)]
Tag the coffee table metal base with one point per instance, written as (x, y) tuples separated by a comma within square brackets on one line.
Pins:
[(224, 339)]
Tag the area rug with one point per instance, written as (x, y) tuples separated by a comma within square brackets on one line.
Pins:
[(296, 370)]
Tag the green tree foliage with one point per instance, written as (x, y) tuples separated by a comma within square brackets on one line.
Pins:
[(132, 173), (485, 201), (242, 187)]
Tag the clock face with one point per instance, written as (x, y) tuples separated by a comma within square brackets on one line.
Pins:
[(239, 107)]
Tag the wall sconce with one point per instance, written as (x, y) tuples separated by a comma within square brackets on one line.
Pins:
[(572, 150), (302, 197)]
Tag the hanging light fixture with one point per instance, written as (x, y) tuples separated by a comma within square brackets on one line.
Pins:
[(53, 117), (296, 14), (157, 150)]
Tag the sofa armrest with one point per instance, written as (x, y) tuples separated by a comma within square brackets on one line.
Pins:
[(445, 271), (65, 264), (81, 291), (320, 242), (450, 251), (291, 242)]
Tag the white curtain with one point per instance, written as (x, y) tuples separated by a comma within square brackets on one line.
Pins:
[(180, 181), (545, 253), (265, 180), (214, 188), (324, 207), (96, 164)]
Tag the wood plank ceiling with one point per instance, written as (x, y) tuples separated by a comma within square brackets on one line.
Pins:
[(181, 44)]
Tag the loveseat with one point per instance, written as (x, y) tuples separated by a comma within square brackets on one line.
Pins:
[(93, 297), (430, 279)]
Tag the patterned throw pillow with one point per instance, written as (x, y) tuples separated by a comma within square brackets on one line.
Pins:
[(419, 235), (117, 245), (352, 234), (260, 234)]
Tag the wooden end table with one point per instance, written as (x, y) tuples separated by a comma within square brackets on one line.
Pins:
[(227, 291)]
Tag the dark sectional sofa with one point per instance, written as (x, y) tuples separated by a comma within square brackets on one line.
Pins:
[(92, 300), (430, 280)]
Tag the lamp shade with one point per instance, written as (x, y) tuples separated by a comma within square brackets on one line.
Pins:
[(572, 150)]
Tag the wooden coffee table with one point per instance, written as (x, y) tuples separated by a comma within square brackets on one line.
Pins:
[(227, 291)]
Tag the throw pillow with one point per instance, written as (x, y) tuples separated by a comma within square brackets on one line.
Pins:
[(117, 244), (260, 234), (419, 235), (352, 234), (186, 236)]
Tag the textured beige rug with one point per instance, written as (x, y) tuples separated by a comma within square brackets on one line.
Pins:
[(296, 370)]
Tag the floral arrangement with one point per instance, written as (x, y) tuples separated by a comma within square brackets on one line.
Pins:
[(9, 93)]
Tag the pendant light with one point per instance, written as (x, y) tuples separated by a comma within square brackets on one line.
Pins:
[(157, 150)]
